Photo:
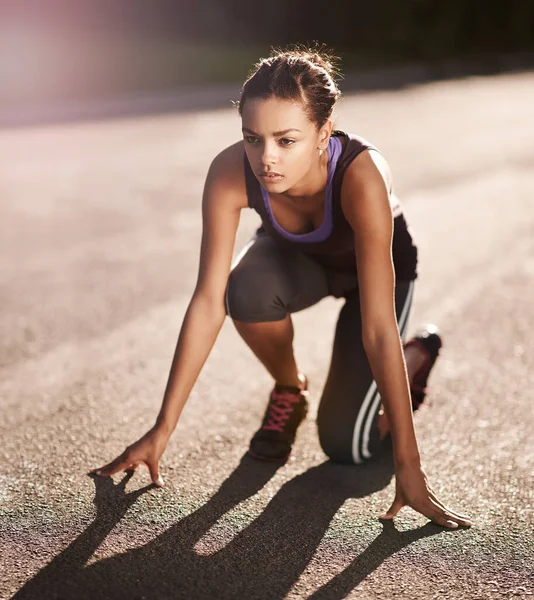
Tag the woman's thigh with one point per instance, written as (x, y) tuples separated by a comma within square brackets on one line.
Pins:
[(348, 412), (268, 281)]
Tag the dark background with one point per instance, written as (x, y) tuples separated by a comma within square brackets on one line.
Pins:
[(58, 50)]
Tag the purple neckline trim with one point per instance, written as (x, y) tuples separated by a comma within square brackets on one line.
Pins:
[(325, 229)]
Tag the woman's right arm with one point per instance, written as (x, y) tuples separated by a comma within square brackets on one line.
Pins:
[(223, 198)]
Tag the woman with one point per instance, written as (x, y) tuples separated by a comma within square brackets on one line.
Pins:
[(331, 225)]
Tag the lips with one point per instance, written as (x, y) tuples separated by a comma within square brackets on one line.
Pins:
[(270, 177), (270, 174)]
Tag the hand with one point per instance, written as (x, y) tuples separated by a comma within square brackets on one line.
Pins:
[(147, 451), (413, 489)]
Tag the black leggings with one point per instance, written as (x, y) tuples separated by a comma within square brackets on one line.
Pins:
[(266, 283)]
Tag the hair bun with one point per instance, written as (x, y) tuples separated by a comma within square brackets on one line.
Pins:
[(319, 55), (325, 61), (298, 73)]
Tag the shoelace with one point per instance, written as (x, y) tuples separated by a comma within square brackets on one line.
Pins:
[(280, 409)]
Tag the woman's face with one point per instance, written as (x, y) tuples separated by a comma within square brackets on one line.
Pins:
[(279, 138)]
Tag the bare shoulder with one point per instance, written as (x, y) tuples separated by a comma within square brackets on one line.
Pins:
[(365, 193), (369, 170), (227, 174)]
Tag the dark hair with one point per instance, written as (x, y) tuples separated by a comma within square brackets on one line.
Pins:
[(296, 73)]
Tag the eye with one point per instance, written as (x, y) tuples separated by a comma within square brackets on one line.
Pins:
[(289, 142), (250, 139)]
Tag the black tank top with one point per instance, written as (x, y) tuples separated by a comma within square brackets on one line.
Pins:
[(336, 250)]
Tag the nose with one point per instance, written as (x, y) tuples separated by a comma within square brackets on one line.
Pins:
[(269, 155)]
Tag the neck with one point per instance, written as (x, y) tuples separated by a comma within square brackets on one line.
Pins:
[(312, 184)]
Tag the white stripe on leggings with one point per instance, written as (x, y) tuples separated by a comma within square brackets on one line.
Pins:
[(234, 264), (373, 397), (376, 402)]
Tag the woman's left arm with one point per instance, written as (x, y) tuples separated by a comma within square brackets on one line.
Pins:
[(365, 204)]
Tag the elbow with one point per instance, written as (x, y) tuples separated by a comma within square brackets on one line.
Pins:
[(377, 338), (210, 305)]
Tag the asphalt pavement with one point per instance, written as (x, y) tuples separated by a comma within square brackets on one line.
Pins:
[(98, 258)]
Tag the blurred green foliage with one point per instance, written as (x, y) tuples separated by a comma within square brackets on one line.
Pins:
[(66, 50), (212, 40), (389, 30)]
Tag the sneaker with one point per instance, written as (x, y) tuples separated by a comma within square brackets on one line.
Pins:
[(287, 408), (428, 340)]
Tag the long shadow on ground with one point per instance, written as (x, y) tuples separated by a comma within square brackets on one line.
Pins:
[(262, 561)]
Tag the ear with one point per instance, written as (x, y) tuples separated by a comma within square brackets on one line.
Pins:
[(325, 132)]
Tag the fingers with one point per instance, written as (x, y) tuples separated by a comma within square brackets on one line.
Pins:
[(113, 467), (450, 514), (124, 463), (394, 509), (154, 472), (437, 501), (440, 516), (119, 464), (133, 466), (439, 519), (153, 467), (458, 515)]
